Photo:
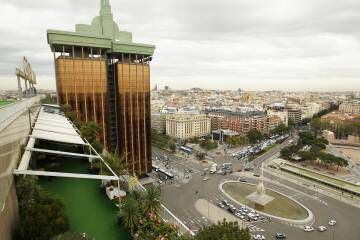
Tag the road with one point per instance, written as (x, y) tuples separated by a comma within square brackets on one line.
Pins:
[(180, 199)]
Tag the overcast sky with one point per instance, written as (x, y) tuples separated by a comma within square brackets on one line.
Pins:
[(227, 44)]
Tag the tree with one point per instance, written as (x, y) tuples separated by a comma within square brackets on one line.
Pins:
[(71, 115), (116, 163), (48, 99), (208, 144), (291, 123), (316, 125), (41, 216), (90, 131), (172, 146), (307, 155), (97, 146), (288, 151), (130, 213), (237, 140), (224, 231), (329, 159), (152, 199), (280, 129), (254, 136)]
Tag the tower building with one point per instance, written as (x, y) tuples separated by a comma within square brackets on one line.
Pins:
[(105, 77)]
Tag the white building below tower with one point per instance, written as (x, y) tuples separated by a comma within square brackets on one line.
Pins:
[(185, 126)]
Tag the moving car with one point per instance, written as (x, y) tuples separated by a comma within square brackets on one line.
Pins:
[(242, 179), (213, 168), (332, 222), (321, 228), (280, 236), (308, 229), (258, 237), (205, 179)]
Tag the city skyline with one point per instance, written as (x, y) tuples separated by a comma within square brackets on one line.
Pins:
[(179, 120), (292, 45)]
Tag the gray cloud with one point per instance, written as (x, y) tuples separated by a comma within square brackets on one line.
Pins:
[(252, 44)]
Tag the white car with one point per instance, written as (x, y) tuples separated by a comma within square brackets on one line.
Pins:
[(205, 179), (259, 237), (321, 228), (332, 222), (308, 229)]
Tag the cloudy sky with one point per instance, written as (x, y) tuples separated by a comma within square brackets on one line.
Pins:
[(227, 44)]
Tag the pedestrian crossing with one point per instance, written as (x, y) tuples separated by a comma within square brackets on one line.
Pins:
[(253, 228)]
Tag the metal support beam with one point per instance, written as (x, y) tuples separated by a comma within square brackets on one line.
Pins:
[(66, 175), (61, 152)]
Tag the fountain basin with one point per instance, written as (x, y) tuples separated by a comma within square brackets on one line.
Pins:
[(281, 207)]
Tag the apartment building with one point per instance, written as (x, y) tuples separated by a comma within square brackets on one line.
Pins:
[(241, 122), (350, 107)]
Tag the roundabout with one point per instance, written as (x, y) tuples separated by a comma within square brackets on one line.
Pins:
[(280, 207)]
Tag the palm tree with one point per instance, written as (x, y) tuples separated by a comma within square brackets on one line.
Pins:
[(130, 213), (152, 199), (116, 162), (90, 131)]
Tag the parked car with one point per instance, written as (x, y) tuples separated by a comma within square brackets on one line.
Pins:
[(221, 205)]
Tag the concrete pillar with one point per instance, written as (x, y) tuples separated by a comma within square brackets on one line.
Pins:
[(19, 87)]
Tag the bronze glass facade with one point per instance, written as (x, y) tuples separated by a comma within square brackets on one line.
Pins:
[(82, 83), (114, 91), (133, 98)]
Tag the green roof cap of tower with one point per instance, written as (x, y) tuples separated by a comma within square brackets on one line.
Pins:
[(103, 32)]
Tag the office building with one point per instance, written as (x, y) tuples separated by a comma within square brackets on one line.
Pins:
[(105, 77), (185, 126)]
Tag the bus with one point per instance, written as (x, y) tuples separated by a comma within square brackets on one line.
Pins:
[(186, 149)]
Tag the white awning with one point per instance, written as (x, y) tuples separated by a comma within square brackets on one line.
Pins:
[(53, 126)]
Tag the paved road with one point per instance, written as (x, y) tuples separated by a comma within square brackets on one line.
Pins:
[(180, 199), (273, 151)]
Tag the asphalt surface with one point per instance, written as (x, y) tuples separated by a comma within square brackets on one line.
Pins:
[(180, 198)]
